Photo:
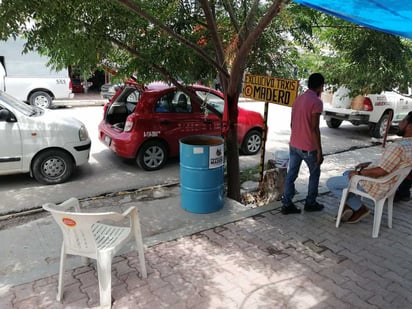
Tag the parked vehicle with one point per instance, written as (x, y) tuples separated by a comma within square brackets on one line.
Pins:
[(28, 78), (108, 90), (40, 142), (373, 110), (146, 123)]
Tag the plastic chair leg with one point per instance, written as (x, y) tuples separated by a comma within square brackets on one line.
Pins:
[(341, 206), (390, 210), (140, 251), (139, 244), (377, 217), (59, 296), (104, 274)]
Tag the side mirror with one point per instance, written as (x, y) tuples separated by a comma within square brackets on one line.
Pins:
[(6, 115)]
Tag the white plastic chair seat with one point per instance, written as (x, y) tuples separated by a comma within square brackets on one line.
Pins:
[(84, 235), (379, 204)]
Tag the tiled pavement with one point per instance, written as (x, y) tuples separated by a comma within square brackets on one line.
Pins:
[(265, 261)]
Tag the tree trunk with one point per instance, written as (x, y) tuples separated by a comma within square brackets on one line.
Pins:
[(232, 150)]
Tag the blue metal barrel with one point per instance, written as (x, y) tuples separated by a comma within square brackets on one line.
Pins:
[(201, 173)]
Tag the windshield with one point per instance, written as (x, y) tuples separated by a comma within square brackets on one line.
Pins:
[(211, 100), (18, 105)]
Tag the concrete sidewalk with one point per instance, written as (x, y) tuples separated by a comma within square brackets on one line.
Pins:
[(265, 260), (238, 257)]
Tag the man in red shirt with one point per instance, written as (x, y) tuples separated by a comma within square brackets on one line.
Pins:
[(305, 145)]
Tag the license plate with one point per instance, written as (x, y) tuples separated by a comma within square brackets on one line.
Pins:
[(107, 140)]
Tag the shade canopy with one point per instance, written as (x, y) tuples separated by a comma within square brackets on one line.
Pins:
[(391, 16)]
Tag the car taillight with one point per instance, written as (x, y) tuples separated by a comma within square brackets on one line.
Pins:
[(129, 124), (71, 85), (367, 104)]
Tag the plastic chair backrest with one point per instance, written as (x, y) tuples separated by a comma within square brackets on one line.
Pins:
[(77, 227), (400, 175)]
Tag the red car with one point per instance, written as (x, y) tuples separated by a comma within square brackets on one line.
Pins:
[(146, 123)]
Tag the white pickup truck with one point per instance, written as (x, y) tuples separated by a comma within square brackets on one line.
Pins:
[(375, 110), (27, 77)]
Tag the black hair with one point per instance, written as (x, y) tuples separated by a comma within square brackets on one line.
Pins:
[(409, 117), (315, 80)]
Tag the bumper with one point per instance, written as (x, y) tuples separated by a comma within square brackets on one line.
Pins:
[(356, 117), (122, 144), (81, 152)]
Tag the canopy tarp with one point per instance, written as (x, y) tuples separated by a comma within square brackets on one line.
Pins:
[(391, 16)]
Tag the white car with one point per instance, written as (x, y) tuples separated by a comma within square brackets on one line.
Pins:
[(40, 142)]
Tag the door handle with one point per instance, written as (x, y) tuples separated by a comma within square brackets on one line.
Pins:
[(165, 122)]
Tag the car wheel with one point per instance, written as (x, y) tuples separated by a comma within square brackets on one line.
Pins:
[(252, 142), (52, 167), (152, 156), (378, 130), (334, 123), (41, 99)]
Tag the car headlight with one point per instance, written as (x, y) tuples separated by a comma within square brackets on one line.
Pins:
[(83, 134)]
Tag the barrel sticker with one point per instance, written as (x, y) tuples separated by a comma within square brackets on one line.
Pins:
[(216, 156), (197, 150)]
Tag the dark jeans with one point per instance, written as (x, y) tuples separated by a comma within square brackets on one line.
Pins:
[(296, 156), (404, 189)]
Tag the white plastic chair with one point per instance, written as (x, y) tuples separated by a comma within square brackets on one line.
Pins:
[(86, 236), (353, 187)]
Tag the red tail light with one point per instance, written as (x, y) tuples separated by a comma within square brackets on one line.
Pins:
[(128, 126), (71, 85), (367, 104)]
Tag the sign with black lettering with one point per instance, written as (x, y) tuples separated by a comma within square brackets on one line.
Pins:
[(270, 89), (216, 156)]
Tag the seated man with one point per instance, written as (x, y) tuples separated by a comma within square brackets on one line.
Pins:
[(396, 155)]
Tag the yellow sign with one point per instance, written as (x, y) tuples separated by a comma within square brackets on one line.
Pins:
[(270, 89)]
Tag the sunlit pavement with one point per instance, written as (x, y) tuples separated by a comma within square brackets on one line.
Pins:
[(267, 260)]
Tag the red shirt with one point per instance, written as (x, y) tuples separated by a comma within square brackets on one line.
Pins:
[(304, 106)]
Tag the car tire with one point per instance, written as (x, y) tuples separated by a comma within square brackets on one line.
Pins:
[(40, 99), (152, 156), (378, 130), (334, 123), (252, 142), (52, 167)]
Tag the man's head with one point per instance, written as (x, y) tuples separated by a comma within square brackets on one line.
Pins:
[(405, 126), (316, 82)]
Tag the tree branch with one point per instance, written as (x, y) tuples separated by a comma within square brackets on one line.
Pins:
[(217, 42), (241, 58), (169, 77), (142, 13)]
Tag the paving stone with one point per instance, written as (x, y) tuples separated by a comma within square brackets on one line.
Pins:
[(266, 261)]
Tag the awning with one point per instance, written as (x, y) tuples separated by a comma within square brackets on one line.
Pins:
[(391, 16)]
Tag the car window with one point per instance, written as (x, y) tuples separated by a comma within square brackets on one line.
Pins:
[(127, 100), (133, 97), (164, 104), (25, 109), (181, 103), (211, 100)]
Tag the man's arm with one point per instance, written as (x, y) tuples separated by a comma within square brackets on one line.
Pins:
[(316, 135), (373, 172)]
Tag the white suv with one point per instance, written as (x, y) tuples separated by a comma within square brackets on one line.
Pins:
[(47, 145)]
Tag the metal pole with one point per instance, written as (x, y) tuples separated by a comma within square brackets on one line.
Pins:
[(388, 125), (262, 152)]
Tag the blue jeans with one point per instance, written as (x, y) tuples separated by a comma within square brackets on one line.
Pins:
[(296, 156), (336, 186)]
